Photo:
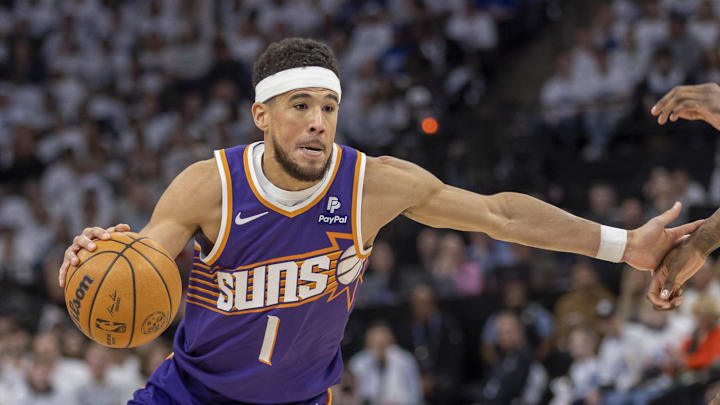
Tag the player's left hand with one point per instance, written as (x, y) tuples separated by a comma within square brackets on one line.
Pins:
[(647, 245), (681, 263)]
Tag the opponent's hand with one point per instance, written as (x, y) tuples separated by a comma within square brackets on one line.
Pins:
[(681, 263), (85, 241), (647, 245), (698, 102)]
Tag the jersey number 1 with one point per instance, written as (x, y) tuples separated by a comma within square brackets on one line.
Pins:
[(269, 340)]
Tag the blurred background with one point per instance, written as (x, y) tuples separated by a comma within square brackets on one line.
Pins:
[(103, 102)]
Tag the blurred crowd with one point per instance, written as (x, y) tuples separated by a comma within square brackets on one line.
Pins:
[(629, 55), (103, 102)]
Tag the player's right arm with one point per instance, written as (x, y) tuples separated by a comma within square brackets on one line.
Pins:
[(192, 202), (698, 102)]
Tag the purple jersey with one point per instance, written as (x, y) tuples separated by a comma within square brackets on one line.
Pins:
[(268, 304)]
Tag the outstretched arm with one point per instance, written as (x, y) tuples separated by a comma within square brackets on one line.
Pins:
[(698, 102), (514, 217)]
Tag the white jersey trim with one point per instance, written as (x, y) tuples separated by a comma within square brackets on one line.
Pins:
[(223, 221), (358, 209)]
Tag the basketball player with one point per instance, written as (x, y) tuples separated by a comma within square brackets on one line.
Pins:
[(697, 102), (283, 229)]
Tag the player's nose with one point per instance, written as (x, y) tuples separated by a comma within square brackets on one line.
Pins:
[(317, 122)]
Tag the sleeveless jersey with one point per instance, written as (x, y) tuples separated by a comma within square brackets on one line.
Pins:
[(267, 306)]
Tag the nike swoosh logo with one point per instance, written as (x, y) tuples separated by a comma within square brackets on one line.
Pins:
[(240, 221)]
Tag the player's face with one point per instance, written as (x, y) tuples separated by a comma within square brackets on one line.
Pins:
[(302, 129)]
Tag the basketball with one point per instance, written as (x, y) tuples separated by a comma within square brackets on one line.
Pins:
[(349, 266), (125, 293)]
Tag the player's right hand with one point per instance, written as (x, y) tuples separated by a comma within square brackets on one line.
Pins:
[(85, 241), (698, 102)]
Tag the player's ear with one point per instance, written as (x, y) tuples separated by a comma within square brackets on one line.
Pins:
[(261, 115)]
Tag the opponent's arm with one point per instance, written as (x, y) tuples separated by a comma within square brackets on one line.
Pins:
[(683, 262), (513, 217), (191, 201), (698, 102)]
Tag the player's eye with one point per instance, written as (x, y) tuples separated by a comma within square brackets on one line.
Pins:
[(329, 108), (300, 106)]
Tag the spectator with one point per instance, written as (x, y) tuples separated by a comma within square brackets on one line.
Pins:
[(473, 28), (437, 342), (703, 347), (652, 29), (689, 191), (618, 367), (610, 90), (663, 75), (704, 285), (41, 389), (508, 376), (603, 205), (98, 389), (704, 28), (452, 269), (66, 374), (152, 356), (489, 253), (685, 49), (632, 294), (577, 307), (560, 99), (345, 392), (380, 280), (536, 321), (584, 372), (631, 213), (385, 373)]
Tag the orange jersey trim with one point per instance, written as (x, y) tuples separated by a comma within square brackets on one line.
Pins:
[(203, 274), (207, 283), (203, 290), (329, 400), (201, 298), (202, 266), (228, 214), (290, 214)]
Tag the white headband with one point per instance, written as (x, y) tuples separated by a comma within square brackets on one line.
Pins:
[(296, 78)]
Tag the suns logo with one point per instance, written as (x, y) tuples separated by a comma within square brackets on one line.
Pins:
[(290, 281)]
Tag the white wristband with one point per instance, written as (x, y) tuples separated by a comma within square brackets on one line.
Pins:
[(612, 244)]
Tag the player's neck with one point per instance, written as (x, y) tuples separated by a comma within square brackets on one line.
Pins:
[(279, 177)]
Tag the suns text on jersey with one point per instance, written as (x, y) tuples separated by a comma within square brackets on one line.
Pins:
[(294, 281)]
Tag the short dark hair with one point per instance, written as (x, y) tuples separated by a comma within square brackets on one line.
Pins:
[(291, 53)]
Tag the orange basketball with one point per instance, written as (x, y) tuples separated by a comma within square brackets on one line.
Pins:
[(125, 293)]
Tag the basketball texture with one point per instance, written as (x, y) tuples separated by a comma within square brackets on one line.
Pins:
[(125, 293)]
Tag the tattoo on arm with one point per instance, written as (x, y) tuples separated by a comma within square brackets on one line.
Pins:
[(707, 237)]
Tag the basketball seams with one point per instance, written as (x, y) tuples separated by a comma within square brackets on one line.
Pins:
[(167, 290), (71, 275), (132, 273), (97, 289), (157, 250)]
